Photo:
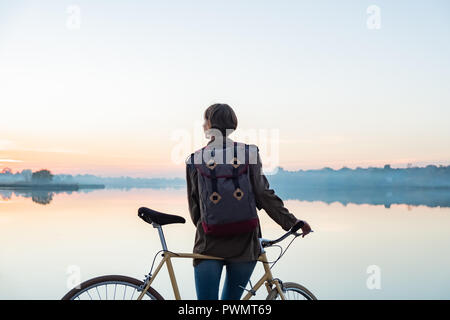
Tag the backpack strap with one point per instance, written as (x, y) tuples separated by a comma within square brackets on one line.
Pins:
[(224, 147), (211, 164), (247, 155), (215, 196), (235, 162), (238, 193)]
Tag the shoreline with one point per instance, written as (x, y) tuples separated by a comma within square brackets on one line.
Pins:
[(49, 186)]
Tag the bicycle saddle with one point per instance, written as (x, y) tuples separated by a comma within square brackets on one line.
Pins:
[(149, 216)]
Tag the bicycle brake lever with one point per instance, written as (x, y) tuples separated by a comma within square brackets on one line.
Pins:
[(299, 234)]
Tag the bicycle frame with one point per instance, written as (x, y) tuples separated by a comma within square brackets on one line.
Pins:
[(267, 278)]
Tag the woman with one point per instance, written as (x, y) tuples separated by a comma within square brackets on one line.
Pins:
[(240, 251)]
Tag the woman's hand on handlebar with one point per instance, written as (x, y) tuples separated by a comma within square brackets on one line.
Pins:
[(304, 226), (305, 229)]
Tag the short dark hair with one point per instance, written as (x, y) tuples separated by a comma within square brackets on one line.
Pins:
[(222, 117)]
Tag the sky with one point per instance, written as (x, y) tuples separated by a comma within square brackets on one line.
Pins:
[(119, 88)]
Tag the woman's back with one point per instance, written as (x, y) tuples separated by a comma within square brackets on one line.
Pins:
[(240, 250), (244, 246)]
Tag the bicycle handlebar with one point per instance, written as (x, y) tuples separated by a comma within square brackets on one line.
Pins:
[(297, 226), (267, 243)]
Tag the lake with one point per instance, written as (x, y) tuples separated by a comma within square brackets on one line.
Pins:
[(44, 239)]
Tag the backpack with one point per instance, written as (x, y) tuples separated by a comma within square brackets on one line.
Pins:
[(227, 202)]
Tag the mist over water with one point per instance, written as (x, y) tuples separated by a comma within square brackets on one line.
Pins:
[(386, 196)]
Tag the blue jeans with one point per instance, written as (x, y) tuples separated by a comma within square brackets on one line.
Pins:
[(207, 278)]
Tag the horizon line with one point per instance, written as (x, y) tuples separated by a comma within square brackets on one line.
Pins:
[(277, 168)]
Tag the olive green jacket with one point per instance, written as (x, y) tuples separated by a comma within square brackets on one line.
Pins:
[(241, 247)]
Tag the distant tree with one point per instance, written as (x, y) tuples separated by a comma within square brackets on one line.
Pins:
[(42, 197), (26, 174), (6, 171), (387, 167), (42, 176)]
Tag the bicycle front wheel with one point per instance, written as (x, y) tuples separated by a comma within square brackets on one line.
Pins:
[(292, 291), (111, 287)]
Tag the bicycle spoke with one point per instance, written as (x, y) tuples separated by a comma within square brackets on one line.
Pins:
[(100, 290), (292, 294)]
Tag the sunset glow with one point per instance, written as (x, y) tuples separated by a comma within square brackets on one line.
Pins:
[(107, 98)]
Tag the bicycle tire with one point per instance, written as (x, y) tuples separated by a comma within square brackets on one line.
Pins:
[(95, 283), (291, 287)]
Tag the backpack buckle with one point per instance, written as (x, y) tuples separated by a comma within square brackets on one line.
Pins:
[(238, 193), (235, 162), (215, 197), (211, 164)]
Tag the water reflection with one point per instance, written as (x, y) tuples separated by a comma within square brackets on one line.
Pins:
[(412, 196), (100, 233), (42, 197)]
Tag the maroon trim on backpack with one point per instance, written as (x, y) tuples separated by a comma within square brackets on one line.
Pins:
[(244, 170), (230, 228)]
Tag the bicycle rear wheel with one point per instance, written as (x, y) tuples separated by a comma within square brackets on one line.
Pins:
[(112, 287), (292, 291)]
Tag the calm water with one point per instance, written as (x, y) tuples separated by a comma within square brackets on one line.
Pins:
[(99, 233)]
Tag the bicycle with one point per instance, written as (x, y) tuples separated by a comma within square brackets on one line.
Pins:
[(97, 288)]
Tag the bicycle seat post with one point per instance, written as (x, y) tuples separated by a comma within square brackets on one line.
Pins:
[(161, 235)]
